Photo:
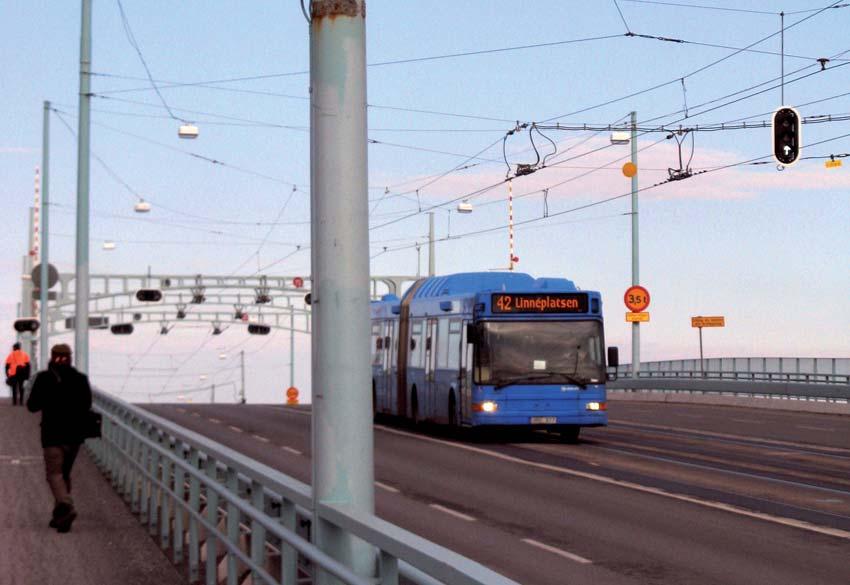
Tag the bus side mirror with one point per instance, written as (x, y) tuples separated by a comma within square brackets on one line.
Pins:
[(472, 333), (613, 357), (613, 362)]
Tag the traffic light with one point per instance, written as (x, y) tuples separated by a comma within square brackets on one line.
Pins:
[(122, 329), (26, 325), (257, 329), (786, 136), (149, 295)]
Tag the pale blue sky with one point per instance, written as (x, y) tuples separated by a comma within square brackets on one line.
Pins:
[(769, 250)]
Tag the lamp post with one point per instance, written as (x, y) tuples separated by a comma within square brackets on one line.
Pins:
[(635, 248), (342, 436), (81, 281), (630, 170)]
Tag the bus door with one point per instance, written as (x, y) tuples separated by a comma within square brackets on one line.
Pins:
[(426, 398), (391, 351), (386, 362), (465, 397)]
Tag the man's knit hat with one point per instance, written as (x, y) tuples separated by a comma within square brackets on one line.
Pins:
[(60, 349)]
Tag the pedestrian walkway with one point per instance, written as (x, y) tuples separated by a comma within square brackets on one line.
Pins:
[(106, 545)]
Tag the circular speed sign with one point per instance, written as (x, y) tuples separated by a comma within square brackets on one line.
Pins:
[(636, 298)]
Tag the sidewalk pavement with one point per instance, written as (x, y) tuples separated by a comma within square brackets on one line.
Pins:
[(106, 545)]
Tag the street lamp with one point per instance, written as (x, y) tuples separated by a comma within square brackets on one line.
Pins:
[(187, 131)]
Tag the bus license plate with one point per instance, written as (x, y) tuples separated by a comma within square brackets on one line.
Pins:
[(543, 420)]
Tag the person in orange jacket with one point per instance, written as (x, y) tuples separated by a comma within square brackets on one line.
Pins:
[(17, 372)]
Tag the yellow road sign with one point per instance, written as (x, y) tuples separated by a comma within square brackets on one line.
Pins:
[(832, 164), (708, 321), (641, 317)]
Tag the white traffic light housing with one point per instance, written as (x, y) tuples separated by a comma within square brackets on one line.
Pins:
[(787, 136)]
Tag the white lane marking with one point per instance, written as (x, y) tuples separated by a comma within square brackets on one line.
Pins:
[(291, 450), (236, 429), (645, 426), (451, 512), (809, 428), (595, 464), (633, 486), (198, 414), (747, 421), (558, 551), (386, 487), (295, 411), (214, 420), (261, 438)]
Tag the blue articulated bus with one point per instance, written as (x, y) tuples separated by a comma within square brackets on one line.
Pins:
[(492, 349)]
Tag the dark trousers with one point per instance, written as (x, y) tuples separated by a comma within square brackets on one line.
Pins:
[(17, 391), (58, 462)]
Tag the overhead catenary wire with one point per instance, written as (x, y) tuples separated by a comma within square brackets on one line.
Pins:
[(691, 73), (752, 161), (128, 31)]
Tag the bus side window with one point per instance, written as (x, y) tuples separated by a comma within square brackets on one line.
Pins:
[(453, 347), (442, 343), (415, 360), (376, 332)]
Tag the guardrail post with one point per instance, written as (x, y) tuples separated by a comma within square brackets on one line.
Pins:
[(180, 497), (211, 571), (387, 569), (232, 526), (145, 480), (136, 478), (288, 555), (153, 472), (121, 440), (258, 533), (194, 506), (165, 506)]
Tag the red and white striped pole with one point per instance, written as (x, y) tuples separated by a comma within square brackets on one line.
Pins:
[(510, 225)]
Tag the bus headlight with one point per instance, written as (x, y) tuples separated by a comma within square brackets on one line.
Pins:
[(486, 406), (596, 406)]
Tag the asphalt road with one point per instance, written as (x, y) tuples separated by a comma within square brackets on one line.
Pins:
[(667, 493)]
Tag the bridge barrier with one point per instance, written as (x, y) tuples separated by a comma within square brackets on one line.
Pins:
[(693, 384), (755, 369), (228, 518)]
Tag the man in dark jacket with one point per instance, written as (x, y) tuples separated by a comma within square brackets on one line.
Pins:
[(63, 396)]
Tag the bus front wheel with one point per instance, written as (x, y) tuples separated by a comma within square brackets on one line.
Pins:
[(452, 412), (569, 434)]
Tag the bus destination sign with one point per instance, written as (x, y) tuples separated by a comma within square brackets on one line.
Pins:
[(539, 303)]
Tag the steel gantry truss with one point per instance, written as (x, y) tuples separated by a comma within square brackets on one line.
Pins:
[(279, 302)]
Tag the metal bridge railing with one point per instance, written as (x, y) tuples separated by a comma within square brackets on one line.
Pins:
[(751, 369), (226, 517)]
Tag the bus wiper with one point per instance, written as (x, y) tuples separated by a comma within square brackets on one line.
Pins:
[(572, 378), (581, 382)]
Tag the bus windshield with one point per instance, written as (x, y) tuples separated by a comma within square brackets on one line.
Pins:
[(539, 352)]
